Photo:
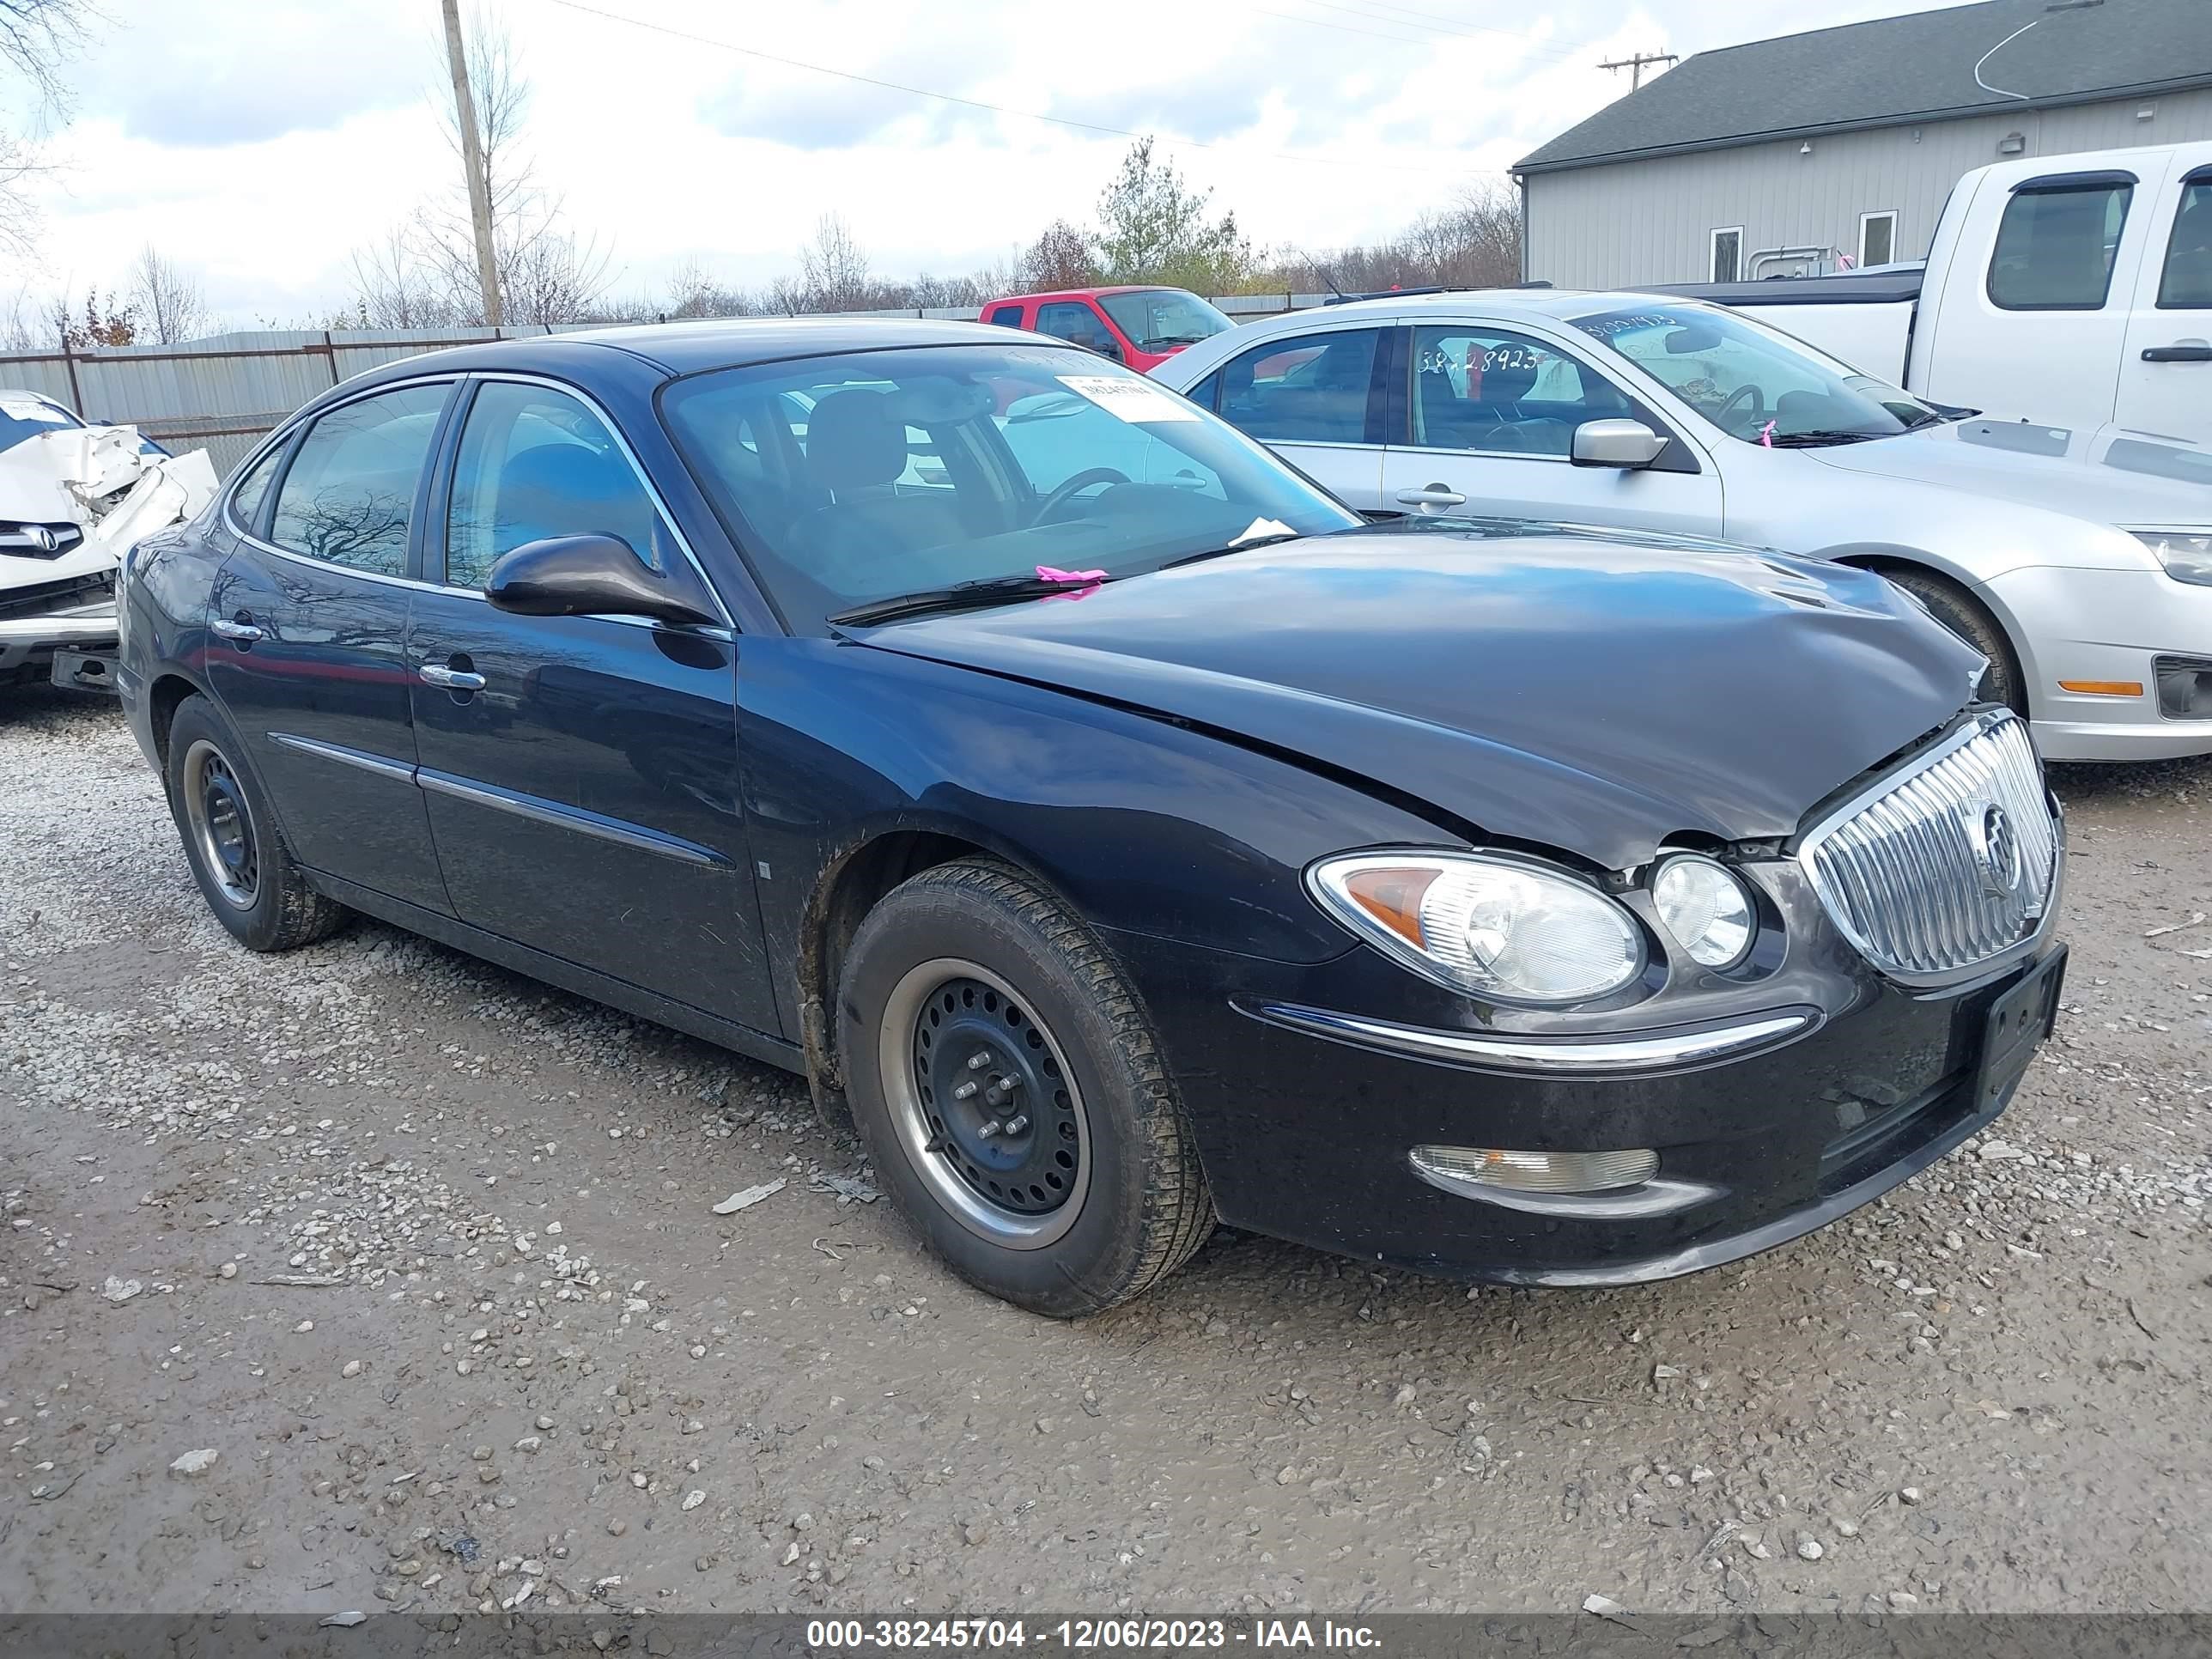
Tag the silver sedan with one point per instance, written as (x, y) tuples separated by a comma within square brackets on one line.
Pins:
[(2079, 565)]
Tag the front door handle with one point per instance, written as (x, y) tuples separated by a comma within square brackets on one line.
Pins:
[(2183, 351), (239, 630), (453, 679), (1435, 495)]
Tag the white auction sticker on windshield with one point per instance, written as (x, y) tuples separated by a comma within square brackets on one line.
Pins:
[(1133, 400)]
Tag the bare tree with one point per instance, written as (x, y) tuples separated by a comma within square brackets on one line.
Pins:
[(834, 270), (394, 288), (1060, 258), (542, 271), (167, 299)]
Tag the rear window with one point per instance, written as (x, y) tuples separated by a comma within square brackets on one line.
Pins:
[(2056, 246)]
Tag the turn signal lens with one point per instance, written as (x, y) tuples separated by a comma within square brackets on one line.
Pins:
[(1537, 1172), (2103, 687), (1393, 897), (1485, 924), (1705, 908)]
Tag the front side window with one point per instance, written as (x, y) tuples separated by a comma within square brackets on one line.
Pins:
[(1753, 382), (1309, 388), (1477, 387), (1727, 256), (878, 473), (347, 497), (2185, 283), (1161, 319), (536, 463), (1078, 324), (2056, 246)]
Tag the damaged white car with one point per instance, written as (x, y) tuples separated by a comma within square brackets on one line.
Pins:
[(73, 498)]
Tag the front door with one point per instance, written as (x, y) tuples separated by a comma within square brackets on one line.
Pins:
[(581, 772), (308, 619), (1490, 428), (1317, 400), (2165, 373)]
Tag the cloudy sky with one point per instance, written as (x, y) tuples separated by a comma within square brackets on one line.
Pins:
[(257, 143)]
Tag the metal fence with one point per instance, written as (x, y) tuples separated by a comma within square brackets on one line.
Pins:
[(223, 393)]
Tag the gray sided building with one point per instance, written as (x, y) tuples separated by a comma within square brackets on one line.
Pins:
[(1786, 156)]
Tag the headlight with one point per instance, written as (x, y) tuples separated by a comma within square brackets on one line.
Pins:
[(1490, 926), (1705, 908), (2186, 554)]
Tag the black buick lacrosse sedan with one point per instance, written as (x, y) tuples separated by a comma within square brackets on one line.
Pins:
[(1126, 834)]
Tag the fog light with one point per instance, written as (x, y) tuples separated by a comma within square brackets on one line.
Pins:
[(1537, 1172), (2184, 687)]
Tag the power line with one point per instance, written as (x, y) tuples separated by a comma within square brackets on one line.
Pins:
[(674, 32)]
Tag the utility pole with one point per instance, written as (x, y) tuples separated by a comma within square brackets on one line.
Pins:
[(465, 117), (1634, 64)]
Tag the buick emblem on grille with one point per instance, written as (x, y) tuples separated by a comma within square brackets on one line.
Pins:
[(1997, 859)]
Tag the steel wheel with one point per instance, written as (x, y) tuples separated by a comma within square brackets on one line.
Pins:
[(985, 1104), (222, 826)]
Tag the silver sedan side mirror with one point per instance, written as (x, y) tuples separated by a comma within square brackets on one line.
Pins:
[(1617, 442)]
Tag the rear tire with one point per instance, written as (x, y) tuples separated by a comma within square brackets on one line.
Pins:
[(236, 851), (1967, 617), (1085, 1189)]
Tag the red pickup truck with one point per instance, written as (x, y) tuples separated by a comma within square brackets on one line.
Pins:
[(1142, 327)]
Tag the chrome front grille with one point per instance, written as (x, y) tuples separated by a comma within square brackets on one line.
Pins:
[(1947, 862)]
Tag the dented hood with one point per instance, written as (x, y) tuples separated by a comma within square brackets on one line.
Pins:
[(1588, 691)]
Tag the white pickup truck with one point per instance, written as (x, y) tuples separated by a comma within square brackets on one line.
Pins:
[(2075, 290)]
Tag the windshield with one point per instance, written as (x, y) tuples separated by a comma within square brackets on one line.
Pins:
[(1155, 318), (22, 416), (871, 474), (1752, 382)]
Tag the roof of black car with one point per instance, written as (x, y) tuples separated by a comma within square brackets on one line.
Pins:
[(686, 348)]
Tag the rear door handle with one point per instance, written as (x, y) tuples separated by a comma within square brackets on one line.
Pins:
[(2187, 352), (1435, 495), (453, 679), (239, 630)]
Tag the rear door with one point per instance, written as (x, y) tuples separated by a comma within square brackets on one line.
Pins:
[(2165, 373), (1317, 399), (1490, 427), (308, 620), (581, 772)]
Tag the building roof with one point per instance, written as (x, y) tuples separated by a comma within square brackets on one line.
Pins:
[(1894, 70)]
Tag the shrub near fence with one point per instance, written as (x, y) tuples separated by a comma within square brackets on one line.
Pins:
[(222, 394)]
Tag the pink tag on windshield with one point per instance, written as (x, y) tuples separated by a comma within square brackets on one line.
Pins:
[(1766, 435), (1052, 573)]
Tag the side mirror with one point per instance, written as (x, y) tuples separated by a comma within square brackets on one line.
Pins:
[(1617, 442), (1109, 347), (594, 576)]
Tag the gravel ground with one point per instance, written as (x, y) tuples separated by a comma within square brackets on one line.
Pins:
[(415, 1262)]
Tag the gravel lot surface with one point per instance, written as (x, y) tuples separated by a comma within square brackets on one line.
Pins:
[(372, 1276)]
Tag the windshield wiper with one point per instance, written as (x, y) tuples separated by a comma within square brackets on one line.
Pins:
[(1174, 339), (961, 596), (1822, 439), (1244, 545)]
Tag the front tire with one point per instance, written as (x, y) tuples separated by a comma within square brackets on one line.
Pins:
[(1967, 617), (1012, 1094), (236, 852)]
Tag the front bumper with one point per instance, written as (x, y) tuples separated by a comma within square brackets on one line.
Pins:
[(2104, 626), (1306, 1133), (28, 642)]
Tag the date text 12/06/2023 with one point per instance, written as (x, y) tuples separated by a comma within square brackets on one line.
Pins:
[(1088, 1634)]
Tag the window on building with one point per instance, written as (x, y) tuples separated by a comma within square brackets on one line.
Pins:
[(1727, 255), (2057, 241), (2186, 282), (1877, 238)]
